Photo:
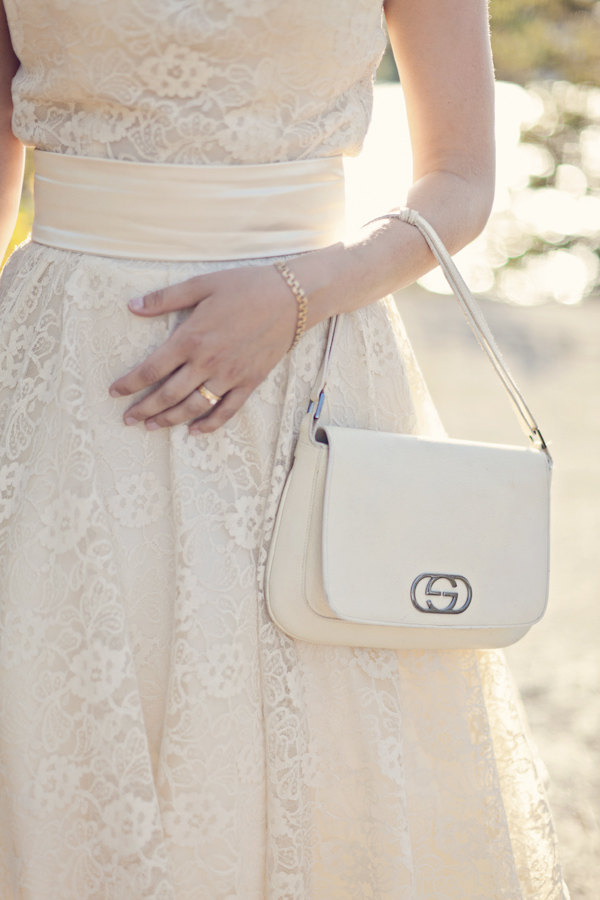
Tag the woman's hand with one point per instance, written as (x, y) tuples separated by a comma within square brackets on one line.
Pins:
[(244, 320), (243, 323)]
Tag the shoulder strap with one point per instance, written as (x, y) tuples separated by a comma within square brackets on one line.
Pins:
[(474, 317)]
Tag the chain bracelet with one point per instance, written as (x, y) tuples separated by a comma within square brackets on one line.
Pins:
[(300, 298)]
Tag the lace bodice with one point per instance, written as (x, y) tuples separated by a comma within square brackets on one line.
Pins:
[(195, 81)]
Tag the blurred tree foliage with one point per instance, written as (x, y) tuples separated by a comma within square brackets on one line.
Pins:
[(534, 39), (539, 39)]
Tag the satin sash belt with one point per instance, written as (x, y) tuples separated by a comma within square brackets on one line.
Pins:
[(172, 212)]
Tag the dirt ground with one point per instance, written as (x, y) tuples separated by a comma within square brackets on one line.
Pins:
[(554, 354)]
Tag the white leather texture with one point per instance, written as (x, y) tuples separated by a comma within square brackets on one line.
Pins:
[(360, 520), (398, 506), (399, 541)]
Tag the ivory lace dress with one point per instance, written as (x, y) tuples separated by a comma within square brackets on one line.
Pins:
[(160, 739)]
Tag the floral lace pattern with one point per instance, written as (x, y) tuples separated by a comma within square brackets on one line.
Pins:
[(185, 81), (159, 737)]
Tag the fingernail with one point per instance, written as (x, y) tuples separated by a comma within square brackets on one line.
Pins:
[(136, 303), (114, 392), (152, 426), (129, 420)]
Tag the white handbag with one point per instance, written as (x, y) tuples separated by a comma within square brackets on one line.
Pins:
[(400, 541)]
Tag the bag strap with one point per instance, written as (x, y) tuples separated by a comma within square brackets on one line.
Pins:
[(474, 317)]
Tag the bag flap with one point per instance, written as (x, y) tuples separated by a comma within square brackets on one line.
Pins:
[(418, 531)]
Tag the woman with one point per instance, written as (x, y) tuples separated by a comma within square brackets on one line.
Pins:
[(159, 737)]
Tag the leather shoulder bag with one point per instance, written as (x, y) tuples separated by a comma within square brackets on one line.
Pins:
[(400, 541)]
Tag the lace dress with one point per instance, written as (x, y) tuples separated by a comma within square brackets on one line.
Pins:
[(160, 739)]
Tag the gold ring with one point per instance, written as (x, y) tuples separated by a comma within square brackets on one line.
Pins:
[(208, 395)]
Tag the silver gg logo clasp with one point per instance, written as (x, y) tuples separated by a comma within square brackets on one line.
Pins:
[(433, 577)]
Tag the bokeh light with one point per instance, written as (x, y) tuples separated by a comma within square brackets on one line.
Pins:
[(542, 242)]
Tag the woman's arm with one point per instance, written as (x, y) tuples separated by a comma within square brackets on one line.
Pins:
[(443, 55), (12, 152), (442, 50), (244, 319)]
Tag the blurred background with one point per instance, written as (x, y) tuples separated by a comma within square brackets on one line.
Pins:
[(536, 268)]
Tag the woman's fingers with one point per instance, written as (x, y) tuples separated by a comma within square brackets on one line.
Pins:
[(165, 360), (222, 412), (239, 330), (177, 296), (193, 406), (167, 396)]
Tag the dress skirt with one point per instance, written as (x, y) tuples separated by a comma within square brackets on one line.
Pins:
[(160, 738)]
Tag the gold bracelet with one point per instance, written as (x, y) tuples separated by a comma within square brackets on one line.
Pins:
[(300, 298)]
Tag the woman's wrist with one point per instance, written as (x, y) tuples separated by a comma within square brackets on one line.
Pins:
[(389, 254), (345, 277)]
